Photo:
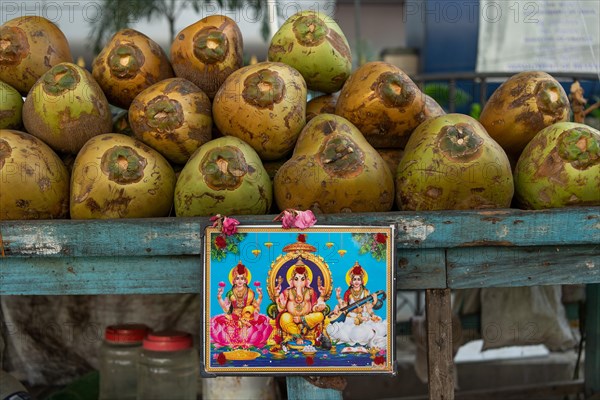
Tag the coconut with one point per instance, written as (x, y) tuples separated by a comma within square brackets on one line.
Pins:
[(65, 108), (560, 167), (129, 63), (323, 104), (313, 43), (264, 105), (121, 123), (174, 117), (334, 169), (207, 52), (224, 176), (11, 107), (34, 180), (117, 176), (30, 46), (451, 163), (383, 103), (522, 106)]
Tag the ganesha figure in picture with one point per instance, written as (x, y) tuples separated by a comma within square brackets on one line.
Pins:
[(241, 325), (300, 309)]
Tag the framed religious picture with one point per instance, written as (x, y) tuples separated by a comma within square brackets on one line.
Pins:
[(286, 301)]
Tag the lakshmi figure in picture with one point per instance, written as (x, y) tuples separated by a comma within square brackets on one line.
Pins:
[(241, 325), (361, 326), (301, 310)]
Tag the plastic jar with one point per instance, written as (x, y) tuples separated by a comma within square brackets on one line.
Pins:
[(119, 354), (168, 367)]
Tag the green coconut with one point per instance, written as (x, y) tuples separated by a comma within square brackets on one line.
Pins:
[(65, 108), (560, 167), (11, 107), (334, 169), (224, 176), (450, 162), (34, 182), (314, 44), (117, 176)]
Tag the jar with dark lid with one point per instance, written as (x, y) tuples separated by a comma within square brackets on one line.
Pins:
[(119, 354), (168, 367)]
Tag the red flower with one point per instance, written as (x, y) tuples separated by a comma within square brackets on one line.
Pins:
[(379, 360), (302, 238), (300, 270), (381, 238), (221, 359), (241, 269), (277, 339), (357, 270), (310, 360), (221, 242)]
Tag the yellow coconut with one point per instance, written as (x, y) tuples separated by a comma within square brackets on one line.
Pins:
[(383, 103)]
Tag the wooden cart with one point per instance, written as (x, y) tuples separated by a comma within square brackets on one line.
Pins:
[(436, 251)]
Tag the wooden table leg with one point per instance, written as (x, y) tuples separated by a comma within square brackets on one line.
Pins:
[(299, 388), (439, 344), (592, 339)]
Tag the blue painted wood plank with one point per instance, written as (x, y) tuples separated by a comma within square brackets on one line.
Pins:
[(299, 388), (419, 269), (522, 266), (119, 237), (100, 275), (592, 345), (178, 236)]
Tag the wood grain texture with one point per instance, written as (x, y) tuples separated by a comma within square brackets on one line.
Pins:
[(119, 237), (592, 345), (418, 269), (439, 344), (522, 266), (179, 236), (100, 275)]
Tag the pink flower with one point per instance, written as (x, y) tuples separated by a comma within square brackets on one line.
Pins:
[(221, 284), (305, 219), (225, 333), (288, 219), (230, 226), (257, 283)]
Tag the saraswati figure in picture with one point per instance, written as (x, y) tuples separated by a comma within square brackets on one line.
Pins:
[(241, 325), (361, 325), (301, 309)]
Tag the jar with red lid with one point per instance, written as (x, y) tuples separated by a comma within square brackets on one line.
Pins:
[(119, 354), (168, 367)]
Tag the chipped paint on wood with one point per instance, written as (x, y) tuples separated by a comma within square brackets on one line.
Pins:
[(414, 230)]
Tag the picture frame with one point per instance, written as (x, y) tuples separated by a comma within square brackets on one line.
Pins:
[(286, 301)]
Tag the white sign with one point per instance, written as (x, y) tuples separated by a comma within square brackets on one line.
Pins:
[(551, 36)]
